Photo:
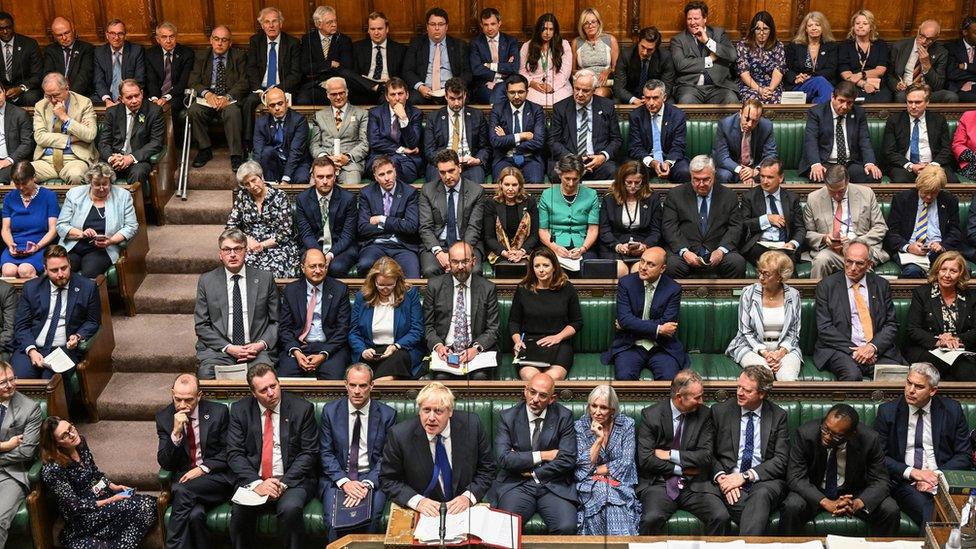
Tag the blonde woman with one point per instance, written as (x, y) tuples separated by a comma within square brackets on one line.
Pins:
[(811, 59), (863, 58), (595, 50)]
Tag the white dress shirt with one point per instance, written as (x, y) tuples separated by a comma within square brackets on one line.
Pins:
[(446, 439), (60, 335), (756, 438), (841, 465), (385, 73), (363, 464), (464, 149), (537, 455), (833, 143), (194, 424), (277, 465)]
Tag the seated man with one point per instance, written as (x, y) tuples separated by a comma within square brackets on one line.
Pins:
[(585, 125), (451, 210), (22, 64), (17, 134), (272, 62), (65, 130), (339, 132), (192, 448), (837, 215), (70, 56), (494, 56), (114, 61), (838, 466), (395, 131), (441, 456), (389, 220), (433, 59), (646, 61), (325, 53), (135, 130), (225, 335), (702, 225), (750, 465), (353, 433), (961, 64), (645, 335), (19, 452), (168, 66), (921, 434), (856, 324), (461, 315), (837, 133), (281, 141), (317, 344), (657, 135), (325, 216), (272, 447), (742, 141), (462, 129), (771, 213), (517, 132), (376, 59), (916, 138), (704, 60), (535, 445), (920, 60)]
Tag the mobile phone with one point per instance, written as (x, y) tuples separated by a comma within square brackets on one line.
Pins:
[(128, 492), (453, 359), (101, 237), (633, 245)]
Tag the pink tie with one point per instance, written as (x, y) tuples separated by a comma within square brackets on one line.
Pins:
[(970, 53), (493, 44), (969, 85), (746, 149), (435, 78), (309, 312)]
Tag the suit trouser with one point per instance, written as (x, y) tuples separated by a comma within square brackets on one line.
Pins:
[(627, 365), (230, 116), (918, 506), (27, 99), (752, 510), (533, 169), (248, 105), (188, 516), (351, 173), (825, 262), (372, 527), (756, 251), (311, 93), (658, 508), (407, 258), (137, 173), (845, 368), (733, 265), (530, 496), (708, 93), (11, 494), (680, 172), (796, 512), (274, 167), (340, 264), (205, 370), (72, 171), (289, 509), (331, 368)]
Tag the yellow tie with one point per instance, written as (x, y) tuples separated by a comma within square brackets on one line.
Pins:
[(456, 129), (863, 313)]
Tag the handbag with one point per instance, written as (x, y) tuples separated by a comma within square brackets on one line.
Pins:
[(349, 517)]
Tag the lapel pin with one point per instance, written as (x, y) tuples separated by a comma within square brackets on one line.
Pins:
[(77, 289), (206, 416)]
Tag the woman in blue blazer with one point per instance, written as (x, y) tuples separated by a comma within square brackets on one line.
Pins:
[(387, 325)]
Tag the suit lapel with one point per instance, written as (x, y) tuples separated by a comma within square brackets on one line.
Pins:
[(936, 417), (284, 430), (373, 429), (735, 430), (203, 424), (765, 427), (72, 296), (342, 432)]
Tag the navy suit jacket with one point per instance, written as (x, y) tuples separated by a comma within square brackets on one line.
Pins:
[(673, 129), (213, 421), (604, 128), (950, 435), (408, 326), (818, 139), (437, 133), (316, 68), (342, 220), (509, 55), (901, 220), (289, 75), (513, 450), (83, 311), (133, 66), (533, 120), (403, 221), (630, 308), (80, 68), (416, 59), (955, 76), (334, 441), (378, 132), (182, 60), (333, 307), (296, 139), (728, 142)]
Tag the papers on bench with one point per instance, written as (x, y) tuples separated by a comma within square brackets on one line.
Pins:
[(922, 261), (950, 356), (59, 361), (772, 245), (247, 497), (487, 359), (793, 98), (203, 102), (571, 264), (844, 542), (491, 526), (236, 372)]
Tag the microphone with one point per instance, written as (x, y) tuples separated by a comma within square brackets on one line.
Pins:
[(442, 533)]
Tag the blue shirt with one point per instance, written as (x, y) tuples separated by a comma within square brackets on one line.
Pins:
[(315, 333), (64, 129), (446, 72), (756, 437)]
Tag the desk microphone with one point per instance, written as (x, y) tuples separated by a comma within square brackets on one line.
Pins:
[(443, 528)]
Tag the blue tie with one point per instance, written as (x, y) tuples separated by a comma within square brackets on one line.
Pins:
[(517, 126), (656, 149), (703, 215), (913, 153), (773, 210), (279, 138), (451, 218), (55, 319), (442, 471), (272, 66), (830, 475), (116, 75), (747, 445)]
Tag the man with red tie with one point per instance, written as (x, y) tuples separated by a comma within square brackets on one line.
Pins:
[(191, 447), (272, 445)]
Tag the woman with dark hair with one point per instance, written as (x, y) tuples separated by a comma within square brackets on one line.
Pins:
[(630, 219), (545, 316), (569, 214), (761, 61), (97, 513), (547, 63), (811, 59), (511, 220), (863, 59), (30, 217)]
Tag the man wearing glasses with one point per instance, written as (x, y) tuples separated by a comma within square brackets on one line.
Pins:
[(837, 467), (339, 132), (115, 61), (20, 424), (920, 60)]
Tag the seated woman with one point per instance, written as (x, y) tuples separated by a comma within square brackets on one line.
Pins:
[(761, 61), (963, 145), (387, 323), (30, 218), (941, 316), (96, 512), (545, 315), (97, 218), (606, 472), (595, 50), (569, 215), (630, 219), (769, 320), (546, 61), (863, 59), (511, 222), (264, 214), (811, 59)]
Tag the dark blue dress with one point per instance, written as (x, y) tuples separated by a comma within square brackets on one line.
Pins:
[(29, 223)]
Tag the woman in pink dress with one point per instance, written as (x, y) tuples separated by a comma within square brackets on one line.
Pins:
[(547, 63)]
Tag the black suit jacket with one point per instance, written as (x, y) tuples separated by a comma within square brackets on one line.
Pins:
[(182, 64), (796, 59), (80, 69), (26, 67), (133, 66), (901, 220), (334, 309), (495, 212), (950, 435), (513, 449), (754, 204), (773, 436), (604, 128), (655, 431), (236, 75), (363, 52), (438, 301), (924, 322), (818, 138), (313, 67), (416, 59), (613, 231), (956, 76), (148, 135), (18, 131), (898, 137), (437, 134), (626, 77), (408, 465), (680, 220), (213, 420), (289, 72)]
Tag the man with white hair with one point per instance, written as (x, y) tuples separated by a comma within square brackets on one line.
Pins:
[(272, 62), (324, 53), (585, 125), (64, 129)]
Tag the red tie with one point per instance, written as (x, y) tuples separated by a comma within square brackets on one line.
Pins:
[(309, 311), (746, 149), (267, 447), (191, 441), (837, 214)]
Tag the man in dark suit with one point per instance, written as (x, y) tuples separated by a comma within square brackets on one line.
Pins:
[(272, 443), (192, 448), (325, 52), (838, 466), (518, 141), (920, 60), (646, 61), (70, 56), (742, 141), (771, 213), (494, 57), (272, 62), (657, 135), (535, 445), (168, 67), (281, 141), (115, 61), (389, 220), (645, 336), (751, 451), (460, 128), (674, 460), (135, 130), (225, 335), (704, 60), (462, 326), (20, 430), (702, 225), (218, 78), (442, 456), (450, 211), (325, 216), (18, 137), (375, 59), (961, 63), (317, 344), (851, 341), (823, 145), (351, 441), (394, 130), (923, 222), (433, 59), (916, 138), (921, 433), (585, 125), (21, 70)]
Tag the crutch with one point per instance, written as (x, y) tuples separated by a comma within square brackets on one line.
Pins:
[(181, 180)]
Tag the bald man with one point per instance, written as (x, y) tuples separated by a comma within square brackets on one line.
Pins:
[(920, 59), (70, 56), (647, 322), (281, 141)]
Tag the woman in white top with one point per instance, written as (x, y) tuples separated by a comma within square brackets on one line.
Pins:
[(546, 61), (596, 50), (769, 320)]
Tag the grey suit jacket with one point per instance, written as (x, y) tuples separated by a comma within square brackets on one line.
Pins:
[(212, 311), (18, 130), (866, 220), (773, 440), (351, 134), (23, 417), (898, 60), (433, 212), (439, 298), (689, 61)]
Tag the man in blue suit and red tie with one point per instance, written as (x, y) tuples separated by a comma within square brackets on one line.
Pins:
[(281, 141), (518, 140), (395, 130), (325, 216), (646, 331), (389, 220), (494, 57), (657, 135), (353, 432)]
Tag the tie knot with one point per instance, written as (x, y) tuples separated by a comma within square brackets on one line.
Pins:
[(452, 190), (439, 439), (268, 413), (236, 277), (357, 413), (750, 414), (920, 412)]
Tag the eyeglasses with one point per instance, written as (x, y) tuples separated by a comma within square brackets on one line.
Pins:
[(853, 263), (115, 34), (69, 434), (838, 438), (460, 262), (8, 382), (220, 39), (232, 251)]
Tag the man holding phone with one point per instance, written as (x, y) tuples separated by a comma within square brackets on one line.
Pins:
[(19, 435), (585, 125)]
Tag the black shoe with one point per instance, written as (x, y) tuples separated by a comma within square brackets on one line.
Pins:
[(235, 161), (203, 156)]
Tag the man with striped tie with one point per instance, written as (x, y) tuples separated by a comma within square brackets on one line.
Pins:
[(585, 125)]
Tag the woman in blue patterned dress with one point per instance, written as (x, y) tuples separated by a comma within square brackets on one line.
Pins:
[(606, 473), (30, 216), (762, 61)]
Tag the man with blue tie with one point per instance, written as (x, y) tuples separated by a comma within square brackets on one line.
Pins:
[(771, 213), (351, 442), (647, 60), (325, 216), (281, 141), (742, 141), (389, 220), (494, 57), (517, 132), (915, 138), (115, 61), (585, 125), (657, 135), (462, 129), (451, 210), (394, 130)]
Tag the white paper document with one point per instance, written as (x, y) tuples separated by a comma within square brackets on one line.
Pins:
[(249, 498), (203, 102), (772, 245), (59, 361), (922, 261), (438, 93), (950, 356), (570, 264), (231, 371), (844, 542), (490, 526), (487, 359)]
